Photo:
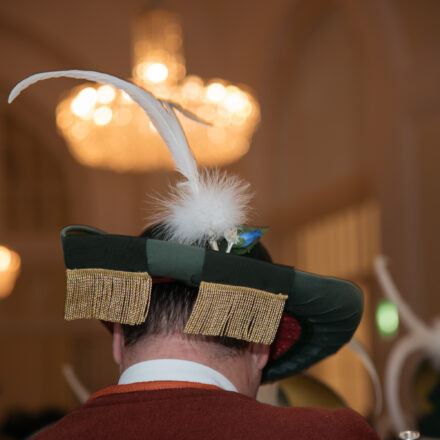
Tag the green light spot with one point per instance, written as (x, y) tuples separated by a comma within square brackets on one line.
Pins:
[(387, 318)]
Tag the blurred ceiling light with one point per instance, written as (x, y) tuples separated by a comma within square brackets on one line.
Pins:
[(156, 72), (104, 128), (102, 115), (105, 94), (216, 92), (9, 269)]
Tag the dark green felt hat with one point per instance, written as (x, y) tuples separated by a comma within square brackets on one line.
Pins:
[(303, 316)]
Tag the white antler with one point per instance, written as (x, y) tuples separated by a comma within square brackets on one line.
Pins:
[(80, 391), (420, 338), (368, 363), (392, 293)]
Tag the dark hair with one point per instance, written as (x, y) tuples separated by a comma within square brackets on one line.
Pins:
[(170, 307)]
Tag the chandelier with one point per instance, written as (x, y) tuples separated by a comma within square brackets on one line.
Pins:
[(9, 270), (104, 128)]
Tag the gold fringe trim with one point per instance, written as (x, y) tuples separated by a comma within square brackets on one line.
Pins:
[(237, 312), (109, 295)]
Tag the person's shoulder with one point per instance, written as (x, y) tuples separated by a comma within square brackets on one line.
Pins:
[(351, 423), (210, 411), (342, 423)]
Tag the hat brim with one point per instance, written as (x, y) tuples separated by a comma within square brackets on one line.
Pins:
[(328, 309)]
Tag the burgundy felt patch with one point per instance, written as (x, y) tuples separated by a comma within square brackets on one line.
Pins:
[(288, 333)]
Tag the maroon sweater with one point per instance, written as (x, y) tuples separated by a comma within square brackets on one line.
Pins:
[(208, 414)]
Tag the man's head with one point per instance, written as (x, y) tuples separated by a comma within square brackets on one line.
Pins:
[(161, 336)]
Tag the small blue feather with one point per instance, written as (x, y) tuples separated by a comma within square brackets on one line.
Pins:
[(249, 237)]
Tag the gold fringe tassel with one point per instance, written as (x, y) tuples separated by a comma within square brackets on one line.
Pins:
[(237, 312), (109, 295)]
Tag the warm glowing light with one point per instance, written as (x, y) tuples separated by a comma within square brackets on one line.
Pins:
[(162, 91), (80, 130), (217, 135), (5, 258), (216, 92), (64, 119), (88, 95), (126, 99), (387, 318), (84, 102), (106, 94), (9, 270), (105, 128), (156, 72), (102, 115), (192, 87), (235, 100), (80, 108), (123, 116)]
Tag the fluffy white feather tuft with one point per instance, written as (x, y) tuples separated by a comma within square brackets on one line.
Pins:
[(220, 204)]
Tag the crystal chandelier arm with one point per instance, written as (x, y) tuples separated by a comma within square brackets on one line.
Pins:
[(162, 119)]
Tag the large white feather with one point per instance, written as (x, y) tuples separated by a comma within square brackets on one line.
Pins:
[(205, 207), (163, 119)]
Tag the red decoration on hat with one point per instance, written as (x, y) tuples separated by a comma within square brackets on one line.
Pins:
[(288, 333)]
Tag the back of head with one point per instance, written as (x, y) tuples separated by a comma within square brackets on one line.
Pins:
[(171, 305), (170, 308)]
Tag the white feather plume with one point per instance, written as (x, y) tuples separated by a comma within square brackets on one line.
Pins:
[(160, 112), (220, 204), (205, 207)]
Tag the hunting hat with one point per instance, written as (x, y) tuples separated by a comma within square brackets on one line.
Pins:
[(199, 237)]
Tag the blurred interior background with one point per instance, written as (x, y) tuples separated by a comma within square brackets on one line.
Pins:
[(329, 108)]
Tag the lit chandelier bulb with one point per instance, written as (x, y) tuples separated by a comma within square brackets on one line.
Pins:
[(84, 101), (215, 92), (155, 72), (105, 94), (9, 269), (102, 115), (5, 258)]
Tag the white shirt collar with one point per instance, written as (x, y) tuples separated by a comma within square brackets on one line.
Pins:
[(174, 370)]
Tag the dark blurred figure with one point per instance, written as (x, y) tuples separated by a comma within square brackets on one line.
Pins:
[(20, 424), (425, 392)]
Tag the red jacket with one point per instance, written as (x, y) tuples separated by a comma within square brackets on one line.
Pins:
[(201, 412)]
